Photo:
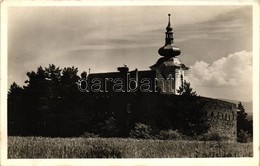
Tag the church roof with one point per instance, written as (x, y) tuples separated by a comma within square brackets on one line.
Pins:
[(170, 61)]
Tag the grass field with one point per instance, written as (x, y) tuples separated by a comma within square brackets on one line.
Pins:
[(41, 147)]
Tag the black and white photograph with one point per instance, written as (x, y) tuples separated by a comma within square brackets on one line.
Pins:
[(157, 82)]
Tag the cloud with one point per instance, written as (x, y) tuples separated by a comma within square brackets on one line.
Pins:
[(103, 38), (235, 70), (228, 77)]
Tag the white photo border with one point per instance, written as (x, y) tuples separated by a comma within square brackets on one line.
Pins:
[(252, 161)]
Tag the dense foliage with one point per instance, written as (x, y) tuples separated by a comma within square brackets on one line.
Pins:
[(185, 89), (244, 125), (50, 104), (46, 104)]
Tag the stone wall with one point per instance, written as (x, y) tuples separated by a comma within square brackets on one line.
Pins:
[(190, 115), (222, 117)]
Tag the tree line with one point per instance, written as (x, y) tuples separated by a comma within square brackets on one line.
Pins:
[(50, 104)]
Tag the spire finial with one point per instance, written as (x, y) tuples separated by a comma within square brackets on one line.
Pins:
[(169, 28)]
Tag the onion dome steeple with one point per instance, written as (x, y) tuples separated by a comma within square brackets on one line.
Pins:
[(169, 50)]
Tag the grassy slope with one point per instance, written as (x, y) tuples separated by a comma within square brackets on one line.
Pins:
[(39, 147)]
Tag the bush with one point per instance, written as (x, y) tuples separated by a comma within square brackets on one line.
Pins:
[(105, 150), (244, 137), (214, 136), (169, 135), (89, 135), (141, 131), (109, 128)]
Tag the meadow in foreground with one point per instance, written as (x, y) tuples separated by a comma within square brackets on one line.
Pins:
[(42, 147)]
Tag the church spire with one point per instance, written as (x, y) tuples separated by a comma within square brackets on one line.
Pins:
[(169, 28), (169, 34), (168, 50)]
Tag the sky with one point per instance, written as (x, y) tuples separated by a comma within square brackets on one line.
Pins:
[(215, 42)]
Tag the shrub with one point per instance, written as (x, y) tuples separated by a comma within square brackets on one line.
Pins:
[(109, 128), (169, 135), (244, 137), (89, 135), (141, 131), (105, 150), (214, 136)]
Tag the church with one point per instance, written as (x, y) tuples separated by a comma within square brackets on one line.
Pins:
[(121, 95), (165, 76)]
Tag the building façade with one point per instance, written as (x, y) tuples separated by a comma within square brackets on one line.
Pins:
[(152, 97)]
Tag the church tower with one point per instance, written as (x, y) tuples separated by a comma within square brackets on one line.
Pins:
[(169, 66)]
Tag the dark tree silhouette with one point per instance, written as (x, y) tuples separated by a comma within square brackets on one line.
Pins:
[(244, 125), (241, 111), (50, 104), (16, 115), (185, 89), (46, 104)]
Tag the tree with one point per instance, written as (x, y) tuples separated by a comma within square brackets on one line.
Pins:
[(185, 89), (16, 116), (244, 125), (14, 89), (241, 114), (141, 131), (48, 105)]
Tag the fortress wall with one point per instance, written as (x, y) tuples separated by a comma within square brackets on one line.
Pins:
[(222, 117), (167, 111)]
